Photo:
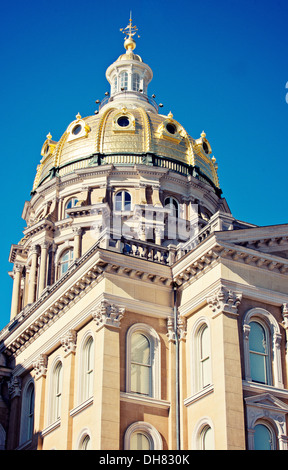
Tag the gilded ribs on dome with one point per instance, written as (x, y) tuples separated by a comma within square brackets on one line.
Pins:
[(141, 133)]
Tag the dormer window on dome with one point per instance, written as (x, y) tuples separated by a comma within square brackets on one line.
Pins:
[(123, 121), (77, 129)]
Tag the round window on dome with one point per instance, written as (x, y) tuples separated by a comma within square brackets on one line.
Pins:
[(123, 121), (77, 129), (171, 128)]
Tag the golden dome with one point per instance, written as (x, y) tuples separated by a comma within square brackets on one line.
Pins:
[(128, 130), (127, 136)]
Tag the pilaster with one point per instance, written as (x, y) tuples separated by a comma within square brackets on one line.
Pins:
[(68, 342), (227, 377), (107, 383), (40, 371)]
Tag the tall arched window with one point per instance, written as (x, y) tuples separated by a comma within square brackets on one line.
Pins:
[(56, 392), (123, 201), (135, 82), (201, 361), (65, 261), (259, 350), (262, 342), (27, 418), (141, 364), (87, 369), (204, 357), (124, 81)]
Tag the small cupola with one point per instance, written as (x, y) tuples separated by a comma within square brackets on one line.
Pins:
[(129, 76)]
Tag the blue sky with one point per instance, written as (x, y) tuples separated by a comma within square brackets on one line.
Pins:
[(219, 66)]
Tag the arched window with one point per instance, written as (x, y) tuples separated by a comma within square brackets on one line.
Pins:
[(65, 261), (27, 418), (140, 441), (204, 357), (264, 437), (173, 205), (85, 443), (259, 351), (71, 203), (87, 369), (56, 392), (141, 364), (124, 81), (206, 438), (122, 201), (262, 342), (201, 361), (143, 368), (203, 435), (142, 436), (135, 82)]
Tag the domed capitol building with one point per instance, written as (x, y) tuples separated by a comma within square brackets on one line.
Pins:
[(143, 314)]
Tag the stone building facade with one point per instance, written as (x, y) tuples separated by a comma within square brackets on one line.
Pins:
[(143, 314)]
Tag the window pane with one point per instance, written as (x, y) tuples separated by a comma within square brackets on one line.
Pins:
[(135, 82), (258, 353), (257, 339), (262, 438), (139, 441), (258, 368), (118, 201), (140, 349), (140, 379), (127, 202)]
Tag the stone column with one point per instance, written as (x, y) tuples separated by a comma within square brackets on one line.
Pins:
[(40, 370), (77, 242), (43, 267), (33, 276), (15, 304), (107, 383), (68, 342)]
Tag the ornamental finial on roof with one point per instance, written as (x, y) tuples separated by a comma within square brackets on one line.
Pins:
[(129, 32)]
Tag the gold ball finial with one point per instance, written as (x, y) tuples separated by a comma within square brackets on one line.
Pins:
[(78, 116), (49, 136), (129, 32), (129, 44)]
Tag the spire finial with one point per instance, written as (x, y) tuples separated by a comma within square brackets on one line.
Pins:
[(129, 32)]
